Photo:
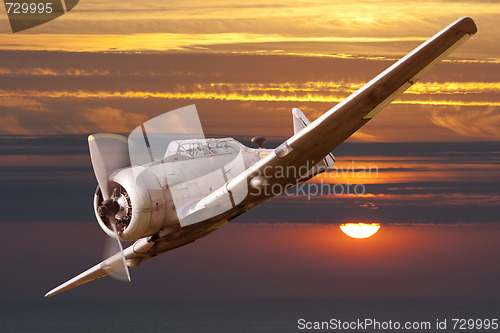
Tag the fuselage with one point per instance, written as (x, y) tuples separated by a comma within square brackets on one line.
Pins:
[(161, 194)]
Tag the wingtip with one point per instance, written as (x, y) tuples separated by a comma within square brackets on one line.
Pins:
[(54, 291), (465, 24)]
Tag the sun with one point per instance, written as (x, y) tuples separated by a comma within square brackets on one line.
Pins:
[(359, 230)]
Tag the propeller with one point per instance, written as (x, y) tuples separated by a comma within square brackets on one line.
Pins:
[(113, 247), (109, 152), (112, 210)]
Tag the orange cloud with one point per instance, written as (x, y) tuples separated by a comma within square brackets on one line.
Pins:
[(327, 92), (113, 120), (90, 120), (11, 125), (477, 122), (198, 25), (167, 41), (14, 101), (45, 71)]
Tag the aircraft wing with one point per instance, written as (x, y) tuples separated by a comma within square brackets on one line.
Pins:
[(106, 267), (339, 123), (143, 249), (312, 143)]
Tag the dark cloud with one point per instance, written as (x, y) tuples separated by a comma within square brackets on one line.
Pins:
[(61, 190), (445, 151), (43, 145)]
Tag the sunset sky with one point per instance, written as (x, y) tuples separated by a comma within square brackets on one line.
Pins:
[(246, 65), (108, 66)]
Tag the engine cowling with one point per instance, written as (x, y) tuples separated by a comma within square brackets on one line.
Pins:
[(142, 205)]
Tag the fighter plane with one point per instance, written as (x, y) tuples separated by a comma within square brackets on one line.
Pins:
[(166, 193)]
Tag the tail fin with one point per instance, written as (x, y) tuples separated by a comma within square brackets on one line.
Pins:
[(300, 121)]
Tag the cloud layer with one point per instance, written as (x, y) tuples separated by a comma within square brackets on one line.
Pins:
[(69, 93)]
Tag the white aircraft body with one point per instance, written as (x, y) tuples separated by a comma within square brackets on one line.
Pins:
[(199, 185)]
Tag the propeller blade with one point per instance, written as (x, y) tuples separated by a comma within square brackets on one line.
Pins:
[(108, 153), (113, 247)]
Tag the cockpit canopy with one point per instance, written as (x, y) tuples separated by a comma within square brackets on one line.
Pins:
[(195, 148)]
